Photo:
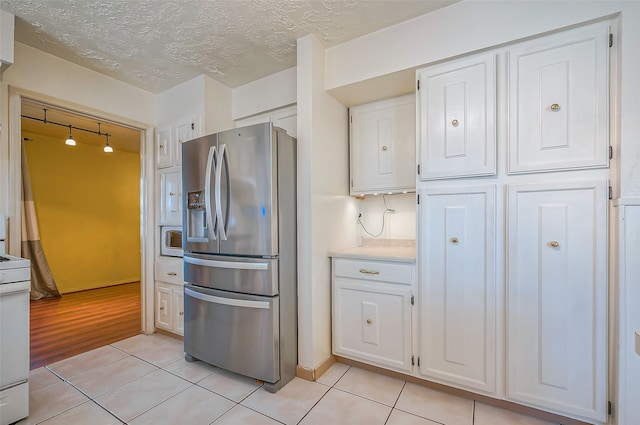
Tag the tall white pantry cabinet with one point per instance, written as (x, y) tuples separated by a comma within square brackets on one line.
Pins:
[(513, 193)]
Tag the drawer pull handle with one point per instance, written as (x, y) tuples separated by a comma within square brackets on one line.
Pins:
[(454, 240), (369, 321), (172, 273), (365, 271), (554, 244), (161, 308), (555, 107)]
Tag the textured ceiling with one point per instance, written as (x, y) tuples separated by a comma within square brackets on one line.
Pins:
[(157, 44)]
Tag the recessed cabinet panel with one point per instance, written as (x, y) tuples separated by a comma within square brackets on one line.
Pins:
[(457, 278), (170, 196), (164, 306), (557, 296), (457, 118), (382, 140), (164, 152), (558, 88)]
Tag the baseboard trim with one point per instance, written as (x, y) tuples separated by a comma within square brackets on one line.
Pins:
[(171, 334), (315, 373), (525, 410)]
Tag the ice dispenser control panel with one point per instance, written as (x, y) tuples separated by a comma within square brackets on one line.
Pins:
[(196, 200), (196, 217)]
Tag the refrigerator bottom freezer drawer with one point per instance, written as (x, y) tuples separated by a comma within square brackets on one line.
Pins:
[(236, 332)]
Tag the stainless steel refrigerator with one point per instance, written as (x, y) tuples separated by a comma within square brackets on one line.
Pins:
[(239, 241)]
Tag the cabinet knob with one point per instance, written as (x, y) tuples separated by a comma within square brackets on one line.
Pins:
[(454, 240), (554, 244), (455, 123), (161, 146), (180, 140), (555, 107), (171, 194), (384, 148), (365, 271), (181, 313), (172, 273), (161, 308), (369, 321)]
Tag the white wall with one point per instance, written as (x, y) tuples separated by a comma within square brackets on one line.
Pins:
[(201, 97), (217, 106), (399, 224), (271, 92), (325, 211)]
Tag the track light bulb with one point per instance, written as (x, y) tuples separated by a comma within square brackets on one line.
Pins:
[(107, 147), (70, 140)]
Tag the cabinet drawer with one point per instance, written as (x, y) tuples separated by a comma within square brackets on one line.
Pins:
[(15, 275), (374, 270), (171, 272)]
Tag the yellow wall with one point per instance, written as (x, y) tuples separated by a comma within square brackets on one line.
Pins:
[(88, 207)]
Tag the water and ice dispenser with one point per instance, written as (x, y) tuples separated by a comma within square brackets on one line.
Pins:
[(197, 230)]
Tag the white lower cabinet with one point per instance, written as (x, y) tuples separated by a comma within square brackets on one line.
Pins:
[(457, 285), (372, 309), (169, 295), (557, 297)]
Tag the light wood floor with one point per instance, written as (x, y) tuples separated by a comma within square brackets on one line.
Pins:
[(82, 321)]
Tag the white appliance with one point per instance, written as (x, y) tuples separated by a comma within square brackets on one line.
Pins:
[(171, 241), (15, 284)]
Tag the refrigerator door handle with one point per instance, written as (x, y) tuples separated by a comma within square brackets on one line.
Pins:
[(221, 224), (227, 301), (211, 168), (227, 264)]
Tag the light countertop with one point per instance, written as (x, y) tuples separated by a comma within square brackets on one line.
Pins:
[(399, 250)]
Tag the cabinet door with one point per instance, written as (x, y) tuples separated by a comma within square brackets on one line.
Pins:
[(164, 306), (372, 322), (557, 296), (164, 151), (457, 282), (170, 196), (382, 140), (457, 118), (178, 310), (558, 114)]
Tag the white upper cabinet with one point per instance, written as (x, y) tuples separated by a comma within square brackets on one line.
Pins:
[(382, 141), (169, 141), (558, 98), (457, 102), (164, 148), (557, 297), (457, 279), (171, 196)]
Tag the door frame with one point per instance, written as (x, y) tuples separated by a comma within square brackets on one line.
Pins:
[(147, 215)]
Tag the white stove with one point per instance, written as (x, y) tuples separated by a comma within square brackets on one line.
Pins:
[(15, 284)]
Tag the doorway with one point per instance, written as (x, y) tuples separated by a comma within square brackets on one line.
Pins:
[(80, 268)]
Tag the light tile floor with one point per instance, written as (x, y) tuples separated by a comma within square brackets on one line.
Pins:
[(145, 380)]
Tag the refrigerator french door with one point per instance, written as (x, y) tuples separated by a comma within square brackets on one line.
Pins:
[(240, 253)]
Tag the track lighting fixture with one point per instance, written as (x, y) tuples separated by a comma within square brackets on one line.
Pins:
[(108, 148), (70, 140)]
